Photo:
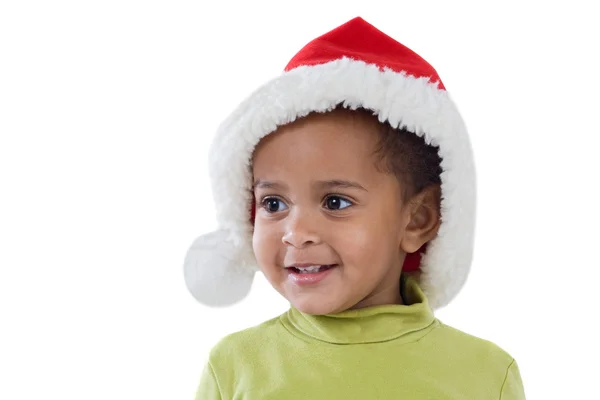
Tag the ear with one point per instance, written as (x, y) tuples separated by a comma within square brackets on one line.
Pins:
[(423, 212)]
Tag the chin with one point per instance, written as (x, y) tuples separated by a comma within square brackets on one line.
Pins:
[(314, 307)]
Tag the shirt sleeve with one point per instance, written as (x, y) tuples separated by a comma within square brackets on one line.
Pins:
[(512, 389), (209, 387)]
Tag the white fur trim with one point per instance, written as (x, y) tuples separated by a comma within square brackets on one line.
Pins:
[(215, 270), (403, 101)]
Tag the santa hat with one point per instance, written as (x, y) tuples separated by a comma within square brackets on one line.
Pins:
[(358, 66)]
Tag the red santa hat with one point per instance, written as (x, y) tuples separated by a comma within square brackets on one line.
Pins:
[(358, 66)]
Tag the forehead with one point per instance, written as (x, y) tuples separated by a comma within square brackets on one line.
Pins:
[(338, 142)]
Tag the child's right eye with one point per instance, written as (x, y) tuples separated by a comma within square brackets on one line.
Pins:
[(273, 205)]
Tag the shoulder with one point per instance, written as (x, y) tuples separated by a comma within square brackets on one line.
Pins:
[(246, 343), (454, 340), (490, 369), (455, 351), (234, 357)]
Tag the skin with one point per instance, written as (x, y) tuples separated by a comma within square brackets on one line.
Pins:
[(320, 199)]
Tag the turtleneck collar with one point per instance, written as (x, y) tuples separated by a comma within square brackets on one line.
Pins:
[(368, 325)]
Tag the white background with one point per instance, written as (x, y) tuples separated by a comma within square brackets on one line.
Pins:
[(106, 112)]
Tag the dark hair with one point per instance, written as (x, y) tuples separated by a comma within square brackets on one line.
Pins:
[(406, 155)]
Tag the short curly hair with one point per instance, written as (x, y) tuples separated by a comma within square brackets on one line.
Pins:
[(415, 163)]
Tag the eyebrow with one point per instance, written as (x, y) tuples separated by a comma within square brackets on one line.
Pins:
[(340, 184), (262, 184), (329, 184)]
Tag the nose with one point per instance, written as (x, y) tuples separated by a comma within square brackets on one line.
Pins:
[(301, 230)]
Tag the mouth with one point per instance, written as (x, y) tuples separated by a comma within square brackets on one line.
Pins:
[(309, 275), (306, 269)]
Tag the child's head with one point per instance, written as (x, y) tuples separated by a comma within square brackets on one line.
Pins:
[(296, 183), (342, 191)]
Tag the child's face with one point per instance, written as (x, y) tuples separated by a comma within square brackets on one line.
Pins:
[(320, 200)]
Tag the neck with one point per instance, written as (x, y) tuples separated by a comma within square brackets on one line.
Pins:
[(368, 324)]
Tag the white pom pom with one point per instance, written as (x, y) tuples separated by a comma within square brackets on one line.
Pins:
[(217, 273)]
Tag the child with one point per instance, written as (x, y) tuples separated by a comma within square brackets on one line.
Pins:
[(349, 181)]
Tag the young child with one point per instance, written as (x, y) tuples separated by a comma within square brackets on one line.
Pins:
[(349, 181)]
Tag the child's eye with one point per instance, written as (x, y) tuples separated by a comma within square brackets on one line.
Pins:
[(273, 205), (336, 203)]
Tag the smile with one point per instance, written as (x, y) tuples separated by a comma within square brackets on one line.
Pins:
[(310, 269), (308, 274)]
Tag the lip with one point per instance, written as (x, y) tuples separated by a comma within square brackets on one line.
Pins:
[(305, 265), (311, 278)]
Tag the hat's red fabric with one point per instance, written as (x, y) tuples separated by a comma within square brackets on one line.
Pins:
[(361, 41)]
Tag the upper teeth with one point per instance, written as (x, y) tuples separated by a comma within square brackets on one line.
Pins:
[(311, 268)]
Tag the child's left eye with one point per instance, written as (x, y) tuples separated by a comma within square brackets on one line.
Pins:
[(336, 203)]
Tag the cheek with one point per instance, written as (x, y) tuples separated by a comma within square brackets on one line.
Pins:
[(265, 243), (353, 243), (368, 242)]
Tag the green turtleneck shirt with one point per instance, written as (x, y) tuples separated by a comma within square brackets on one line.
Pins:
[(381, 352)]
